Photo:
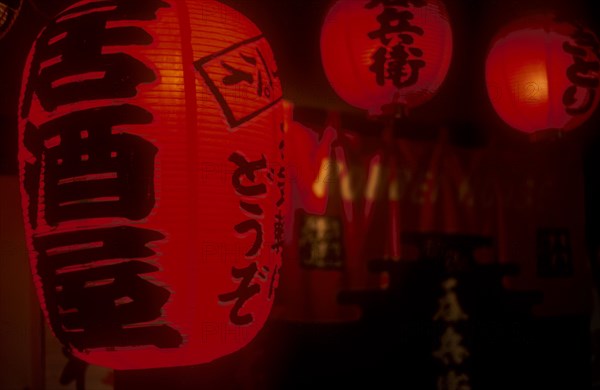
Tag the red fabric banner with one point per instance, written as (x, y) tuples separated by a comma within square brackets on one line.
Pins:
[(352, 198)]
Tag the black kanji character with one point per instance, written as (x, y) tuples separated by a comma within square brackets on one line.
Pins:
[(278, 232), (91, 172), (398, 22), (243, 293), (280, 176), (236, 76), (33, 171), (95, 306), (251, 225), (569, 100), (252, 209), (583, 74), (270, 76), (274, 281), (587, 39), (248, 170), (395, 68), (281, 200), (69, 67), (83, 72)]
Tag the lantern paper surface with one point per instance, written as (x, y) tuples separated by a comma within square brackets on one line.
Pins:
[(543, 74), (151, 146), (376, 53)]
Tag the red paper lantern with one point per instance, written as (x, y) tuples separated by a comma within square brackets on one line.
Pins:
[(381, 52), (151, 146), (543, 74)]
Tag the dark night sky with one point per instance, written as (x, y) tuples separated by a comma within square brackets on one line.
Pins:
[(293, 28)]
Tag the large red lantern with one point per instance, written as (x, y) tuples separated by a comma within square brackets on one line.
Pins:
[(542, 74), (378, 54), (151, 146)]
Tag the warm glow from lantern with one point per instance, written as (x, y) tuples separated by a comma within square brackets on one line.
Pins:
[(534, 84), (533, 79)]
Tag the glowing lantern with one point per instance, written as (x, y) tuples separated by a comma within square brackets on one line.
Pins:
[(386, 53), (152, 182), (543, 74), (9, 9)]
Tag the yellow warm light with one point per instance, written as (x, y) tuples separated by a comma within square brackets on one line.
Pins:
[(532, 84)]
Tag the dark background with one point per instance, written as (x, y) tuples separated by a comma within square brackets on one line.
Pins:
[(462, 105)]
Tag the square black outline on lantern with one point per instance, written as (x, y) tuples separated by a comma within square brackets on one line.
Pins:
[(231, 119), (546, 268)]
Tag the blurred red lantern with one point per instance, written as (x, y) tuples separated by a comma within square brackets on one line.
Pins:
[(543, 74), (151, 146), (380, 53)]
